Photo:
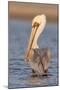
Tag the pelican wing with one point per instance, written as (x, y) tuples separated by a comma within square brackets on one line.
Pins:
[(42, 56)]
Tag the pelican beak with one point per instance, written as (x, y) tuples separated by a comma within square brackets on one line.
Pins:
[(28, 54)]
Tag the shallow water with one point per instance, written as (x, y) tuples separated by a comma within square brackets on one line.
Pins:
[(19, 73)]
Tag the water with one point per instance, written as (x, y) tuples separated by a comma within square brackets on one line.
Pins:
[(19, 73)]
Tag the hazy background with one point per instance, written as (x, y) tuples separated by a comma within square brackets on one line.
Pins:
[(29, 10)]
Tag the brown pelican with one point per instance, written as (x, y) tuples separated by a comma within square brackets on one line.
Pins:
[(37, 58)]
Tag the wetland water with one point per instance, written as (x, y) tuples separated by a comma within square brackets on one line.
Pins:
[(19, 73)]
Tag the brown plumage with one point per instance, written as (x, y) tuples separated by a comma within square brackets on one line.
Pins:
[(40, 61)]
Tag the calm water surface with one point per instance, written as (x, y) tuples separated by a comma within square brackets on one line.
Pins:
[(20, 74)]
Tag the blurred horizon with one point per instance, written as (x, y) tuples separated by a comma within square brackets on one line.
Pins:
[(24, 10)]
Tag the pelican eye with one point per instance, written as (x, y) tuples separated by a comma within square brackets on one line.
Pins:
[(35, 25)]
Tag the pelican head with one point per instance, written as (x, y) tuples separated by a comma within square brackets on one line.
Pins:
[(38, 24)]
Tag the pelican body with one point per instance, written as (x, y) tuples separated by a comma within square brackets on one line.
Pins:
[(37, 58)]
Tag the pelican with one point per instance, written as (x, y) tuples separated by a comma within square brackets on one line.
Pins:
[(38, 58)]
